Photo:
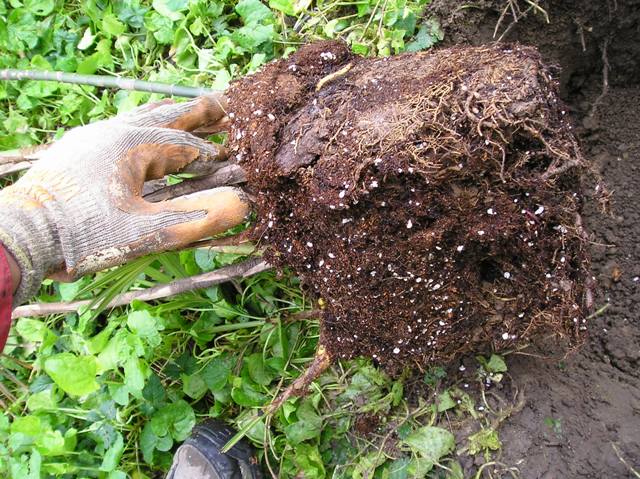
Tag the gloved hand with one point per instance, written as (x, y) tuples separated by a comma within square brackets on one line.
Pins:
[(80, 208)]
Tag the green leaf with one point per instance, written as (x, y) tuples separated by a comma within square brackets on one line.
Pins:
[(217, 372), (253, 11), (148, 442), (16, 123), (33, 330), (184, 53), (130, 12), (484, 440), (135, 372), (112, 455), (246, 395), (431, 443), (176, 419), (117, 351), (496, 364), (146, 326), (405, 22), (307, 458), (445, 402), (171, 9), (119, 393), (41, 8), (367, 465), (112, 26), (419, 467), (69, 291), (198, 27), (75, 375), (154, 391), (397, 392), (194, 386), (455, 470), (399, 469), (258, 370), (162, 27), (22, 29), (51, 443), (251, 37), (205, 259), (87, 40), (308, 426), (434, 375), (285, 6), (35, 465), (99, 342), (28, 425), (428, 35), (45, 399)]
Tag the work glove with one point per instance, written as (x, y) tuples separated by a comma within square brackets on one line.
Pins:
[(80, 208)]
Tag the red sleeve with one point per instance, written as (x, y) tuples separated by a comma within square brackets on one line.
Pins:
[(6, 297)]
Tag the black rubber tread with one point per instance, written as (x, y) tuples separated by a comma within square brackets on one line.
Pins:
[(210, 437)]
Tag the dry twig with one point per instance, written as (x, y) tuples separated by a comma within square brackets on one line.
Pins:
[(228, 175)]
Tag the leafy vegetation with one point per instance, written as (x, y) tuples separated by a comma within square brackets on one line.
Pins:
[(112, 396)]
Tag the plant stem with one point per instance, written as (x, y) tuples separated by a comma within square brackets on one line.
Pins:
[(105, 81)]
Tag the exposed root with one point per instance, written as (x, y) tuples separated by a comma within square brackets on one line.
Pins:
[(333, 76), (605, 78), (513, 7), (320, 364)]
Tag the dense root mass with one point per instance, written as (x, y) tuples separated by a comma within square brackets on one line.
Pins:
[(431, 200)]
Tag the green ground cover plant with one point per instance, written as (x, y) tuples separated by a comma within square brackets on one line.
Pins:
[(111, 395)]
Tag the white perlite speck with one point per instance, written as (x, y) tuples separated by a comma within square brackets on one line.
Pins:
[(396, 350)]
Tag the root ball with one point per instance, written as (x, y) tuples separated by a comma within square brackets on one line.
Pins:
[(431, 200)]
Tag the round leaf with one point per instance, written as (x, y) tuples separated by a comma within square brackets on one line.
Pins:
[(75, 375)]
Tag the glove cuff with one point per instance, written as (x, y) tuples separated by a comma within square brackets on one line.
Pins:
[(32, 240)]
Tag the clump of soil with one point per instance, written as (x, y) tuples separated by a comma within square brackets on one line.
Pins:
[(430, 200)]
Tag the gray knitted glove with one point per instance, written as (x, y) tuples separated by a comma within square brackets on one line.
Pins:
[(80, 208)]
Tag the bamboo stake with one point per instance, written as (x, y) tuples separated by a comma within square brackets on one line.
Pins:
[(10, 168), (105, 81), (23, 154), (237, 271)]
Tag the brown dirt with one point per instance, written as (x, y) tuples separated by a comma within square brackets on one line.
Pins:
[(431, 200), (593, 396)]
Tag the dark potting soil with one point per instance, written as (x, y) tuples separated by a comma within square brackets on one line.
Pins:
[(431, 201), (581, 414)]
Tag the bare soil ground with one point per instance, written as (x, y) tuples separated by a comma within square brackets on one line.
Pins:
[(578, 411)]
